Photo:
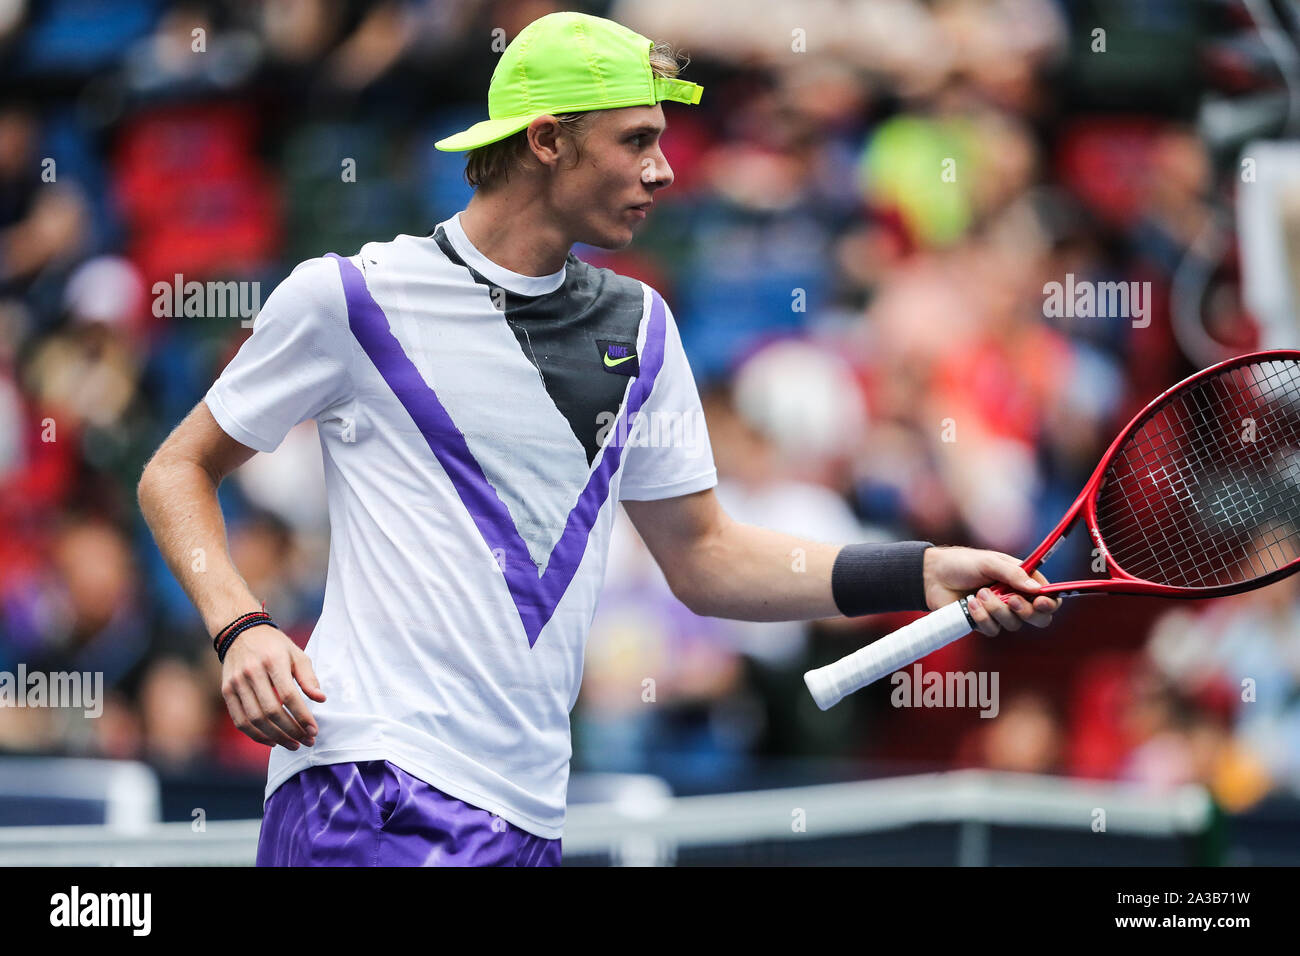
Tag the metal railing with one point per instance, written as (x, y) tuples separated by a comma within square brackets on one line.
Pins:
[(645, 825)]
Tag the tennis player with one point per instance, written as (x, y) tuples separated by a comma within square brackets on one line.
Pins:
[(483, 399)]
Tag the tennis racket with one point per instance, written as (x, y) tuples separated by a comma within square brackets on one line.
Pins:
[(1198, 497)]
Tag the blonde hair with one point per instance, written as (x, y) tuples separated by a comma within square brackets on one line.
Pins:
[(489, 166)]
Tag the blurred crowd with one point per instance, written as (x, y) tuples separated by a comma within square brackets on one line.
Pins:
[(868, 203)]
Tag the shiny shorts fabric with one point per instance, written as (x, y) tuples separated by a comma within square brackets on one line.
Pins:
[(375, 814)]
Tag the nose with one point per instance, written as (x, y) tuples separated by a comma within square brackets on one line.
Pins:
[(657, 172)]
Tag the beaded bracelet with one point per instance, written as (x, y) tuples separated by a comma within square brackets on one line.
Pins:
[(226, 636), (216, 641)]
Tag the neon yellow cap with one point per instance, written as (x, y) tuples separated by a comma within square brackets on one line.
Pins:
[(569, 63)]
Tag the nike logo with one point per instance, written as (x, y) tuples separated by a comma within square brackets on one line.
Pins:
[(619, 358)]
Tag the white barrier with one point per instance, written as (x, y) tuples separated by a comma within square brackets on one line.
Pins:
[(126, 790), (648, 827)]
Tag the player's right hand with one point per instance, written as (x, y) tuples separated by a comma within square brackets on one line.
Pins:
[(259, 681), (950, 573)]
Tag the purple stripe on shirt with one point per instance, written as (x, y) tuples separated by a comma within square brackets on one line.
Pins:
[(535, 596)]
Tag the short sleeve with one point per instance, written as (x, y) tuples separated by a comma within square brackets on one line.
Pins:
[(669, 453), (295, 365)]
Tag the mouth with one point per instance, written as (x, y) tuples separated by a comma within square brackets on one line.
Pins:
[(642, 209)]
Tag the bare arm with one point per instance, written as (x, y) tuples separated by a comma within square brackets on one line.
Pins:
[(178, 498), (721, 568)]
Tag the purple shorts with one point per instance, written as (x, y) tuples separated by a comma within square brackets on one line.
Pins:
[(376, 814)]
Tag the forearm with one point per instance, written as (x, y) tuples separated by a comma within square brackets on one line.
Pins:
[(178, 499), (721, 568), (743, 572), (748, 573)]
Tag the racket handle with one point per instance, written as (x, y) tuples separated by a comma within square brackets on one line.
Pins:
[(832, 683)]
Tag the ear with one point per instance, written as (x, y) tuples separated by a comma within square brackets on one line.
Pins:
[(544, 139)]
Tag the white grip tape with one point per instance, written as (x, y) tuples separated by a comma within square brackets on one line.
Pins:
[(830, 684)]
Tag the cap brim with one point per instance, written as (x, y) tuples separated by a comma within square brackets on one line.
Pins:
[(480, 134)]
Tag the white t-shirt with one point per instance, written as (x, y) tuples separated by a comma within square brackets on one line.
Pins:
[(478, 427)]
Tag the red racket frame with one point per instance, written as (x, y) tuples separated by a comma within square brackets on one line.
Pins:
[(1121, 582)]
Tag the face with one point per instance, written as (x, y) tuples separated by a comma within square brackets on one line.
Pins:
[(621, 168)]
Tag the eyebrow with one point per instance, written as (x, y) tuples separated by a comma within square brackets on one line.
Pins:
[(645, 129)]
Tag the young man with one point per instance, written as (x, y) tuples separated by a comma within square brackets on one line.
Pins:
[(477, 393)]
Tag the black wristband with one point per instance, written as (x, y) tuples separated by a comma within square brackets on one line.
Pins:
[(879, 578)]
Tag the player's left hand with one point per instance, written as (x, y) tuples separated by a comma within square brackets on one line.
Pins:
[(950, 573)]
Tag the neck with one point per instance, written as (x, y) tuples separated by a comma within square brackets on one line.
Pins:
[(516, 232)]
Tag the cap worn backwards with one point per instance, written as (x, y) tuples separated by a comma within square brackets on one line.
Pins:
[(569, 63)]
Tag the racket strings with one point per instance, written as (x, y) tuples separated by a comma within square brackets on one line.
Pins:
[(1238, 508), (1240, 504), (1170, 532), (1210, 552), (1206, 491)]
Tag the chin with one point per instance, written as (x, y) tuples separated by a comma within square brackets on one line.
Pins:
[(612, 234), (612, 242)]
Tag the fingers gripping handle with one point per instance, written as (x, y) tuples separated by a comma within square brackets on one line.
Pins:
[(830, 684)]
